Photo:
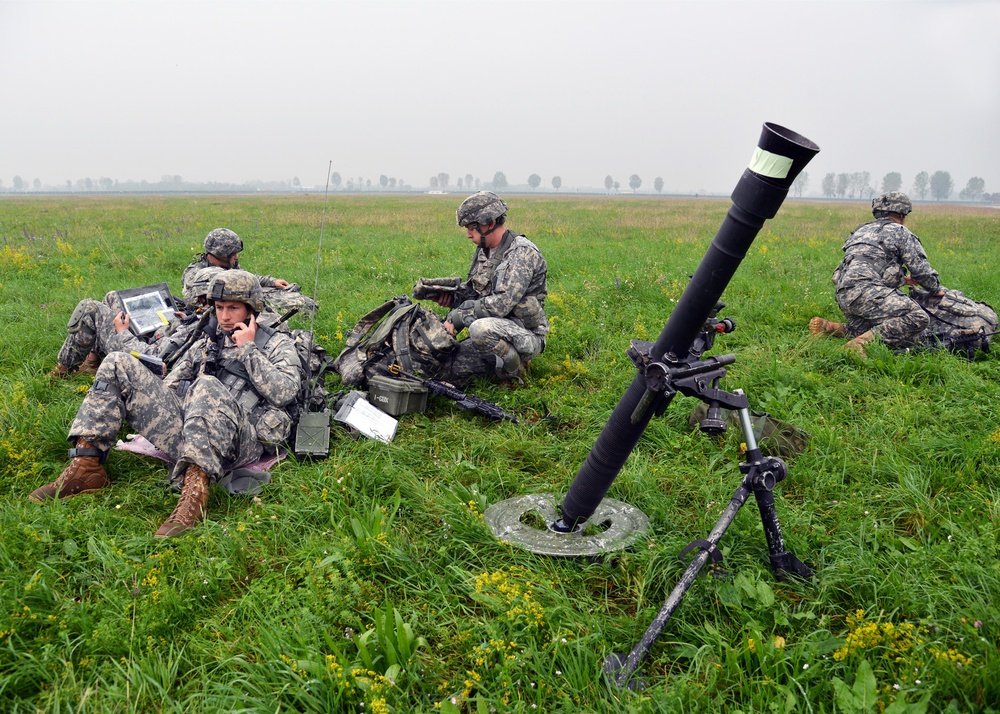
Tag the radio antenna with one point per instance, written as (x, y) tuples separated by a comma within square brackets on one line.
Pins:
[(319, 252), (312, 433)]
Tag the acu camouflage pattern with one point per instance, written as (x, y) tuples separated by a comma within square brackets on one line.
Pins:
[(284, 299), (893, 202), (237, 286), (396, 332), (198, 286), (223, 243), (211, 425), (956, 317), (876, 258), (91, 329), (267, 282), (483, 208), (503, 298)]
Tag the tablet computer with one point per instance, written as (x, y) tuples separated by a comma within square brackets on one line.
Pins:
[(149, 308)]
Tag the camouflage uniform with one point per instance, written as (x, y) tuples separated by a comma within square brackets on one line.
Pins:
[(219, 423), (91, 327), (266, 281), (877, 256), (503, 298), (224, 242)]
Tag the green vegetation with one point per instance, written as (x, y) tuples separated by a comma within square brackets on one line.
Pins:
[(371, 578)]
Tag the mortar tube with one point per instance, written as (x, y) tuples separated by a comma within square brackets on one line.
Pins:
[(780, 156)]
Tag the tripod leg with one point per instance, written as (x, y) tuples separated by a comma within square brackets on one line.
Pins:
[(620, 669), (783, 562)]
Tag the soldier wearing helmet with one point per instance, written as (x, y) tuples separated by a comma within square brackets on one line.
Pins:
[(222, 250), (502, 300), (879, 258), (225, 416)]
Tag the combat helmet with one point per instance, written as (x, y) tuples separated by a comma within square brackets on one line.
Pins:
[(198, 288), (892, 202), (483, 208), (238, 286), (223, 243)]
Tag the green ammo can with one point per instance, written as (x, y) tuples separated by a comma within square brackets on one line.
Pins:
[(397, 396)]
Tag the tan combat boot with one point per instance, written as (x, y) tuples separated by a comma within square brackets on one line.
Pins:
[(819, 326), (90, 364), (60, 371), (85, 474), (858, 343), (192, 506)]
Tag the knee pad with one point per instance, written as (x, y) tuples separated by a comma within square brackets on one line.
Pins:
[(83, 316)]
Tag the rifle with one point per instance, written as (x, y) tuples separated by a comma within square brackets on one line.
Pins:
[(199, 328), (465, 401)]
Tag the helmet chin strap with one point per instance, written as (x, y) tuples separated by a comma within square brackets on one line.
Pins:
[(483, 236)]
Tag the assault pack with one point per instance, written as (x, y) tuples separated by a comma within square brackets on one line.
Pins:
[(957, 323), (397, 332)]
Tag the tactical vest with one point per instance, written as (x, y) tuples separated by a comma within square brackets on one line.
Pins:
[(866, 250), (233, 374)]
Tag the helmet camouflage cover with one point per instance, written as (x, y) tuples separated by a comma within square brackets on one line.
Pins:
[(223, 243), (199, 286), (483, 207), (237, 286), (892, 202)]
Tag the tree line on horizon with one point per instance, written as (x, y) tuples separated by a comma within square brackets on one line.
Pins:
[(939, 185)]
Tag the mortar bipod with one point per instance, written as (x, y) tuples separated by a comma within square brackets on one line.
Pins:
[(760, 475)]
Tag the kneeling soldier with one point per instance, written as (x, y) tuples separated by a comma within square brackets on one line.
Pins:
[(221, 407), (502, 301)]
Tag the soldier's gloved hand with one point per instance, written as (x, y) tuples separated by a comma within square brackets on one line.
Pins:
[(242, 334)]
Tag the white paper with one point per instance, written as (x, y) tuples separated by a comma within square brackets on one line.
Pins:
[(368, 419)]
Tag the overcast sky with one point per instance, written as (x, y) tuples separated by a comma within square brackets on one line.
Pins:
[(241, 91)]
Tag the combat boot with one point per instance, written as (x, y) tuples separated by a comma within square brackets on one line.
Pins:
[(819, 326), (858, 343), (60, 371), (192, 506), (90, 364), (85, 474), (508, 361)]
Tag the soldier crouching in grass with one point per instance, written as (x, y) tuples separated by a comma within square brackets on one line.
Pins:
[(501, 302), (224, 402), (877, 256)]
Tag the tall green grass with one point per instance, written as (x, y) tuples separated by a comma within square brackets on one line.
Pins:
[(370, 577)]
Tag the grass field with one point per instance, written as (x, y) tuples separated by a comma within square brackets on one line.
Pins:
[(369, 582)]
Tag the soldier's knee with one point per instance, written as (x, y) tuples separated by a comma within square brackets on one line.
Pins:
[(115, 364), (482, 335), (84, 315), (477, 329)]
